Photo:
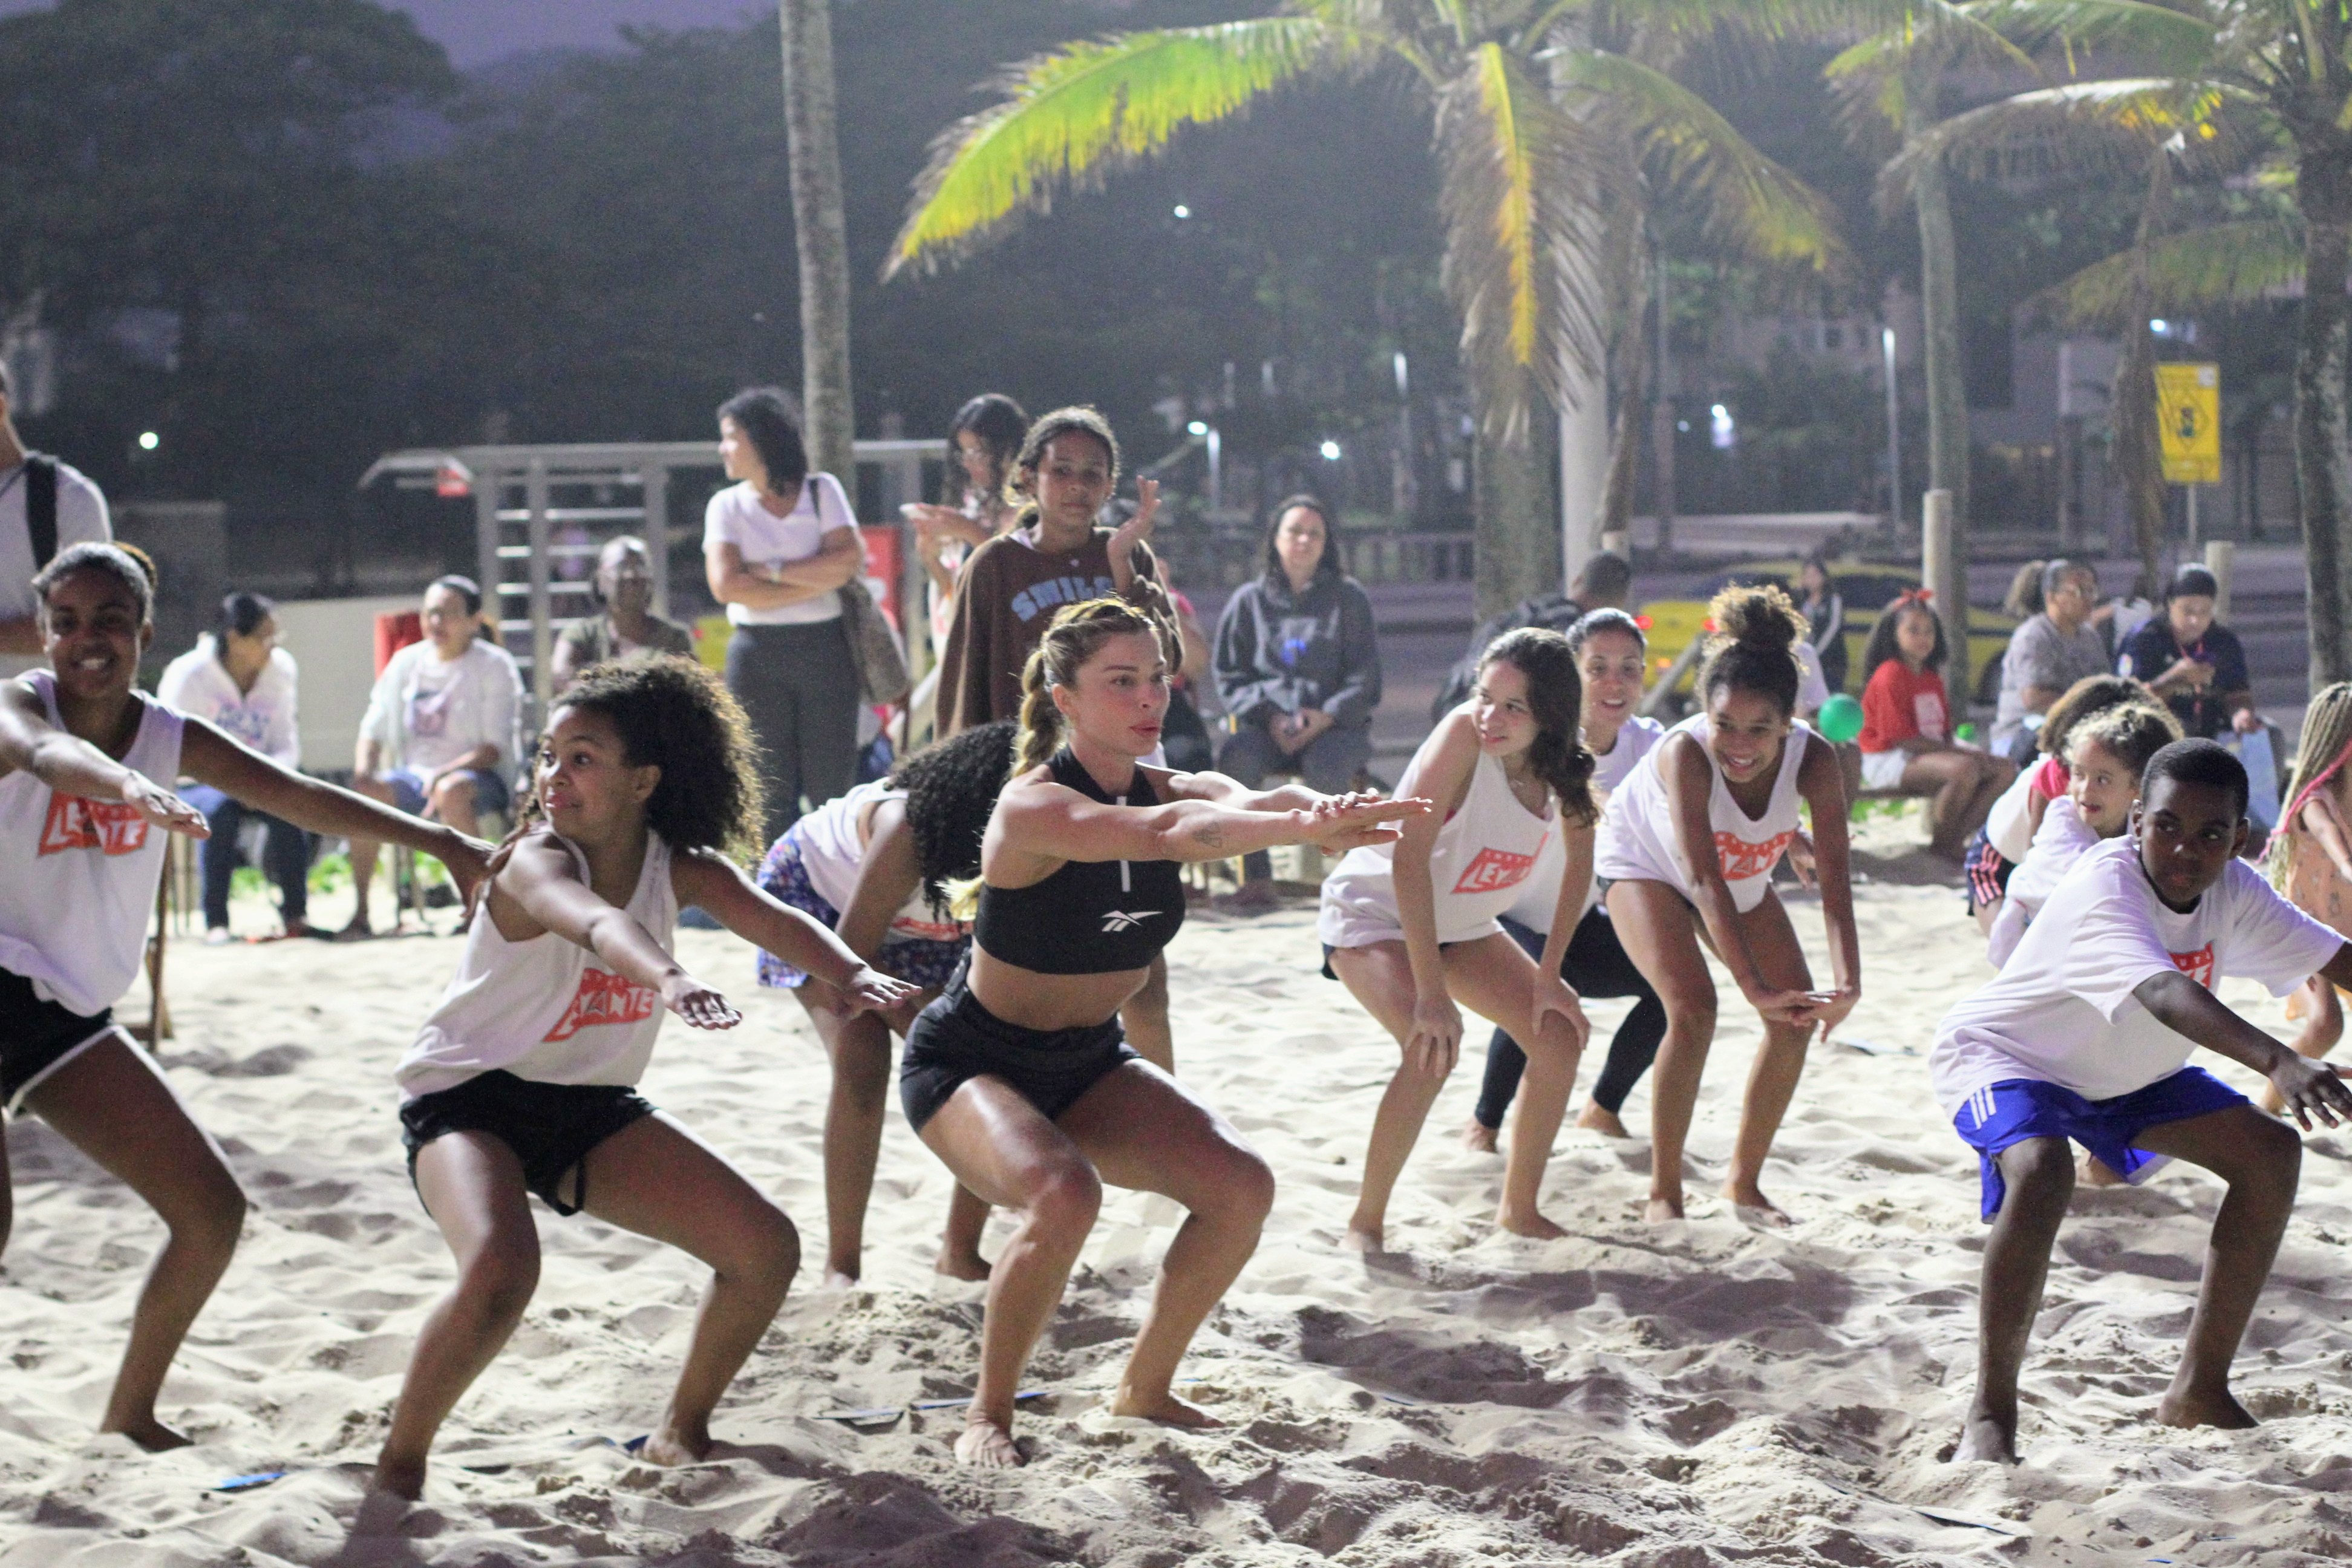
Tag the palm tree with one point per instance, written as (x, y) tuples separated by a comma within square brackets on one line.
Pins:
[(1548, 116), (2274, 75), (821, 235)]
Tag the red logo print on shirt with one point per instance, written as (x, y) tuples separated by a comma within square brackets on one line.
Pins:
[(1742, 859), (2198, 965), (603, 998), (1494, 871), (107, 825)]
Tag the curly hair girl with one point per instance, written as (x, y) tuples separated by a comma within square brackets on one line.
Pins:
[(1755, 631), (951, 789), (676, 715)]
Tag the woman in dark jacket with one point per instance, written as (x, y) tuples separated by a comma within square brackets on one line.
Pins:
[(1297, 664)]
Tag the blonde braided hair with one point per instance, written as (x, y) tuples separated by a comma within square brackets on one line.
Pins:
[(2326, 746)]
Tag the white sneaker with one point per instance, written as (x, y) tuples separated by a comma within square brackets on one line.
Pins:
[(217, 936)]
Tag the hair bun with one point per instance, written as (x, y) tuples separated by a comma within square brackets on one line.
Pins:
[(1759, 617)]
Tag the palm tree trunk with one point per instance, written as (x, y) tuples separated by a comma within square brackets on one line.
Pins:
[(2139, 451), (820, 235), (1947, 395), (1517, 536), (2323, 467)]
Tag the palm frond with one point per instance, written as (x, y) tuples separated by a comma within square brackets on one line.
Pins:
[(1752, 205), (1524, 259), (2085, 128), (1072, 117), (2224, 264), (1872, 81), (2156, 38)]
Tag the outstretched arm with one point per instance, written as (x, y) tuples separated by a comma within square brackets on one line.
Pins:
[(236, 771), (2309, 1088), (1049, 822), (537, 890), (30, 743), (719, 886)]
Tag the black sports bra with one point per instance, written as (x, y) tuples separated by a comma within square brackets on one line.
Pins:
[(1091, 916)]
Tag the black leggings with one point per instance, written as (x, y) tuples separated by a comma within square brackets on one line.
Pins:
[(1597, 965)]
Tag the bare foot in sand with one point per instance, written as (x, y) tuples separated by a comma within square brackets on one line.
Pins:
[(1479, 1137), (676, 1445), (1163, 1407), (1987, 1440), (1754, 1208), (398, 1479), (1660, 1210), (1362, 1238), (150, 1433), (988, 1447), (970, 1266), (1594, 1118), (1530, 1224), (2213, 1407), (840, 1279), (2092, 1172)]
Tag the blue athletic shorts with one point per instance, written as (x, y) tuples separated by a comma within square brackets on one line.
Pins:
[(2015, 1110), (491, 792)]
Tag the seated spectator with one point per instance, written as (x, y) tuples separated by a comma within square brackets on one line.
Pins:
[(2057, 646), (623, 587), (2197, 667), (1824, 611), (440, 733), (1906, 728), (1297, 665), (240, 679)]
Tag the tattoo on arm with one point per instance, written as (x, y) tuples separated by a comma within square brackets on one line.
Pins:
[(1210, 835)]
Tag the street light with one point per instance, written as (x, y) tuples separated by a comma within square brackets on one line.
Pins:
[(1201, 430), (1182, 210), (1330, 451), (149, 440)]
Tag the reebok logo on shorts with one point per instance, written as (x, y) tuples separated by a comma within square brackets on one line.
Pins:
[(109, 826), (1742, 859), (1493, 870), (604, 997), (2198, 965), (1119, 920)]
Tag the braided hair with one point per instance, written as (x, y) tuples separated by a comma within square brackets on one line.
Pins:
[(1555, 697), (2320, 756), (1076, 635), (952, 787)]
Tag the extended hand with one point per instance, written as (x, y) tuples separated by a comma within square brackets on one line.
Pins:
[(166, 810), (871, 991), (1790, 1006), (1136, 529), (1341, 822), (698, 1003), (1833, 1007), (2312, 1088)]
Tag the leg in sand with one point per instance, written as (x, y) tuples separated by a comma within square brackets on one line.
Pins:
[(1504, 1064), (859, 1048), (472, 1185), (1597, 964), (1380, 977), (1772, 1080), (1660, 931), (1143, 1131), (2260, 1159), (1002, 1148), (2040, 1175), (1144, 1019), (1961, 787), (1494, 978), (112, 1104), (2323, 1026), (656, 1179)]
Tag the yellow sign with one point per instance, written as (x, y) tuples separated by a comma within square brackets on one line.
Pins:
[(2188, 421)]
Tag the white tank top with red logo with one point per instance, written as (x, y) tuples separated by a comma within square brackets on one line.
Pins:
[(546, 1009), (78, 876), (832, 843), (1485, 853), (1637, 841)]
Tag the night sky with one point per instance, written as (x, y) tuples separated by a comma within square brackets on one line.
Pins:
[(477, 32)]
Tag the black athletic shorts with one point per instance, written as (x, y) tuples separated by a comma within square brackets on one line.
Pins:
[(956, 1039), (37, 1036), (550, 1127)]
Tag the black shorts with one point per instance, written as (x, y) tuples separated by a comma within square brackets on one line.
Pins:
[(1986, 872), (550, 1127), (37, 1036), (956, 1039)]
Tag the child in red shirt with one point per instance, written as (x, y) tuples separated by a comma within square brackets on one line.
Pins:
[(1907, 730)]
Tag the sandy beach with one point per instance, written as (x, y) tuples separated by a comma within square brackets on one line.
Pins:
[(1666, 1397)]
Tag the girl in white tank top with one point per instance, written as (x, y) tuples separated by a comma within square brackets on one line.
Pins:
[(87, 765), (1410, 927), (1691, 840), (522, 1079)]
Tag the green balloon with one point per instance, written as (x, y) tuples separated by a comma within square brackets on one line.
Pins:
[(1841, 718)]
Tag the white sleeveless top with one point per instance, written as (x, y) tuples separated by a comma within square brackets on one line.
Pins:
[(1485, 851), (1637, 840), (78, 876), (832, 850), (544, 1009), (1540, 895)]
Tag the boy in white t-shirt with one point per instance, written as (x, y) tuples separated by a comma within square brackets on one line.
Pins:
[(2085, 1036)]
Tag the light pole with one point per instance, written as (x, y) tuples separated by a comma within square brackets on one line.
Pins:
[(1894, 433)]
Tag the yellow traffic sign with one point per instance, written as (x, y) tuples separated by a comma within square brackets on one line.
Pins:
[(2188, 422)]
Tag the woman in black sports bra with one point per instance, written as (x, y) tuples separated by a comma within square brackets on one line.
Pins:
[(1017, 1076)]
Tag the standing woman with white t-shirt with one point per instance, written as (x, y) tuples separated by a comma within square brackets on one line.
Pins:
[(238, 678), (778, 546), (1687, 850), (1611, 658), (1410, 927), (85, 806)]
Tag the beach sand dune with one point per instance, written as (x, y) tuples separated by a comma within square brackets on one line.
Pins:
[(1658, 1397)]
